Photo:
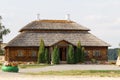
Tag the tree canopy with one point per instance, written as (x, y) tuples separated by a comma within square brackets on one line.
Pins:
[(3, 31)]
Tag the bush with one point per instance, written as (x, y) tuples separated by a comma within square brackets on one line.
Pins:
[(70, 55), (82, 55), (46, 56), (78, 54), (55, 56), (118, 52), (41, 52)]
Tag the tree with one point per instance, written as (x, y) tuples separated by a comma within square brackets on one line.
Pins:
[(70, 55), (118, 51), (46, 56), (83, 55), (78, 52), (55, 56), (3, 32), (118, 58), (41, 52)]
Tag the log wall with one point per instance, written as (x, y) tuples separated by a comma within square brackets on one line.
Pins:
[(91, 53), (12, 54)]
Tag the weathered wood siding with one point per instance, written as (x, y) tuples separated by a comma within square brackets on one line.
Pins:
[(91, 53), (12, 54)]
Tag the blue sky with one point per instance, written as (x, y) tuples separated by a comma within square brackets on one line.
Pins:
[(101, 16)]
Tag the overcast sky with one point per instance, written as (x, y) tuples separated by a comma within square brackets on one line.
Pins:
[(101, 16)]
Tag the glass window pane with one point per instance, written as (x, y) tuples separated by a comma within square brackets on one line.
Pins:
[(20, 53), (34, 53)]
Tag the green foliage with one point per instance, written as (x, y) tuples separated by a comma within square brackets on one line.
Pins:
[(113, 54), (41, 52), (1, 52), (82, 55), (78, 52), (46, 56), (119, 52), (55, 56), (3, 31), (70, 55)]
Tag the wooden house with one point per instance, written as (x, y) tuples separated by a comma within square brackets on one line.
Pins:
[(24, 47)]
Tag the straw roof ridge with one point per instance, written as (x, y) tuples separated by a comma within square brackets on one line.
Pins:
[(53, 25)]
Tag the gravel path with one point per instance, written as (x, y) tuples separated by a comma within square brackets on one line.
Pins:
[(72, 67)]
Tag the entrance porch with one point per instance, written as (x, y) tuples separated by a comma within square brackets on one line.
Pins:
[(63, 47)]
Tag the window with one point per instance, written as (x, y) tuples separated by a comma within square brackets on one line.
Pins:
[(96, 53), (86, 53), (34, 54), (20, 53)]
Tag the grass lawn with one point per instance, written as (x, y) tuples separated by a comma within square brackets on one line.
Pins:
[(24, 66), (101, 73)]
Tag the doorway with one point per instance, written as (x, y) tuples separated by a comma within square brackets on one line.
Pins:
[(63, 51)]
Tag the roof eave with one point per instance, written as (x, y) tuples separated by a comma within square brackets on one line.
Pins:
[(53, 30)]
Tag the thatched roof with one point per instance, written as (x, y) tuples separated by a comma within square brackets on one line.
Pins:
[(50, 38), (28, 37), (53, 25)]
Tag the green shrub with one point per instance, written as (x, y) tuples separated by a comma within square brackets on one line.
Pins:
[(118, 52), (82, 55), (46, 56), (78, 54), (70, 55), (1, 52), (55, 56), (41, 52)]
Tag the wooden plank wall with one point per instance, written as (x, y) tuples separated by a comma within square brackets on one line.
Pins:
[(12, 54), (103, 53)]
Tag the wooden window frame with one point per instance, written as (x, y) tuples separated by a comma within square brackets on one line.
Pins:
[(33, 53), (86, 52), (96, 53), (20, 53)]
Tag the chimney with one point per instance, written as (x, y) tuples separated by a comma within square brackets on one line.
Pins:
[(38, 16), (68, 17)]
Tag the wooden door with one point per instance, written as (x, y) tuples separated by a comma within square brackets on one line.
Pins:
[(63, 54)]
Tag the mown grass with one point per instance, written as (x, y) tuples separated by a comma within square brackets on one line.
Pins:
[(100, 73), (25, 66)]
